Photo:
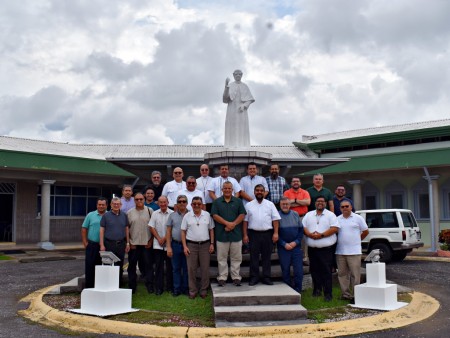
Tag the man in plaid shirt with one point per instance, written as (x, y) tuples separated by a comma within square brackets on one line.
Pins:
[(277, 185)]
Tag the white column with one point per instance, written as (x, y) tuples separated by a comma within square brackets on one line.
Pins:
[(433, 194), (357, 193), (45, 215)]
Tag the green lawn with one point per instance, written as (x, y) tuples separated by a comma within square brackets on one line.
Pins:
[(5, 258)]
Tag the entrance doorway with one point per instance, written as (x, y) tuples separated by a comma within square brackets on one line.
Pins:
[(7, 192)]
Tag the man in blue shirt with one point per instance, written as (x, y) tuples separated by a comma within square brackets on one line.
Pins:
[(277, 185), (290, 234), (339, 196), (90, 235)]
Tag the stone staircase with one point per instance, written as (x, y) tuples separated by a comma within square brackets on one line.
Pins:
[(259, 305)]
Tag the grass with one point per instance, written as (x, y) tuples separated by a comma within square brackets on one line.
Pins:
[(166, 310), (5, 258), (316, 303)]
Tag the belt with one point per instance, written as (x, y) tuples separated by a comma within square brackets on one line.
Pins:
[(178, 242), (321, 248), (115, 241), (197, 242), (92, 242), (261, 231)]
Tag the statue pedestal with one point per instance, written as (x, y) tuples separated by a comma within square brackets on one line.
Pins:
[(237, 160), (376, 294), (105, 299)]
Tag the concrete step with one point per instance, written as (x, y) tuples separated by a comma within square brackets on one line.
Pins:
[(245, 271), (260, 294), (260, 313)]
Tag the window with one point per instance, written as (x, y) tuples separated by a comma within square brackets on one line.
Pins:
[(395, 195), (370, 196), (382, 220), (421, 200), (74, 201)]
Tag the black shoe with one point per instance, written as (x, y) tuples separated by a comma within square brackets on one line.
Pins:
[(237, 282), (328, 298), (221, 282), (316, 293), (150, 290), (253, 282), (158, 292), (267, 281), (176, 293)]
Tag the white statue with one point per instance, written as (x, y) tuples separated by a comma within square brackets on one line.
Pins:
[(238, 97)]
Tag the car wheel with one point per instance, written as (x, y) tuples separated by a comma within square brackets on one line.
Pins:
[(386, 251), (399, 255)]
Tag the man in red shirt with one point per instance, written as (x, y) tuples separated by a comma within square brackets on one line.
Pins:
[(298, 197)]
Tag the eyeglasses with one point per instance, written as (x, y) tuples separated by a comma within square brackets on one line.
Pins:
[(191, 183), (138, 199), (182, 201), (197, 204), (204, 169), (178, 172), (345, 206)]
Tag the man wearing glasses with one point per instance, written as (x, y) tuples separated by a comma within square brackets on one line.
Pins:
[(191, 192), (202, 184), (172, 188), (156, 184), (320, 227), (175, 247), (215, 188), (352, 230), (140, 243), (339, 196), (197, 236)]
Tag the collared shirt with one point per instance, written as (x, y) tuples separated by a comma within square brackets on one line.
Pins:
[(314, 194), (229, 211), (138, 220), (190, 195), (300, 194), (217, 182), (290, 229), (260, 215), (127, 204), (276, 188), (197, 227), (337, 205), (349, 239), (152, 205), (92, 223), (114, 225), (320, 223), (202, 185), (174, 222), (248, 184), (159, 223), (171, 190)]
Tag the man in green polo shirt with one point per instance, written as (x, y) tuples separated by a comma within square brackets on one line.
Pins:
[(90, 235), (318, 190), (228, 213)]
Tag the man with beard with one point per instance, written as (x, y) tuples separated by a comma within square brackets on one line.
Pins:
[(190, 192), (277, 185), (339, 197), (298, 197), (320, 227), (156, 184), (249, 182), (261, 230), (215, 187), (127, 200)]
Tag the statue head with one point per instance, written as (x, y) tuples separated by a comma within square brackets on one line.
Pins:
[(237, 74)]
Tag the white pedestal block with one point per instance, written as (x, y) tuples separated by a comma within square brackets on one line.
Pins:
[(376, 274), (105, 299)]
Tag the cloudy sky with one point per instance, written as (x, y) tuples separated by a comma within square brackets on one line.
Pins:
[(153, 72)]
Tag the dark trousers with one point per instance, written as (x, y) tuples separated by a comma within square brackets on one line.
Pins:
[(91, 260), (140, 254), (292, 258), (260, 245), (118, 249), (320, 263), (161, 258), (179, 266)]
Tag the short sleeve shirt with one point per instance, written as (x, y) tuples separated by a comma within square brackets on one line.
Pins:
[(217, 182), (174, 222), (260, 215), (114, 225), (301, 194), (138, 220), (248, 184), (171, 190), (229, 211), (197, 227), (320, 223), (92, 223), (349, 239), (314, 194), (159, 222)]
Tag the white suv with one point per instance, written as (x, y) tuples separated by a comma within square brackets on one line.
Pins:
[(394, 231)]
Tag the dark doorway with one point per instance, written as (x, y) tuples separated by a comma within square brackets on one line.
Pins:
[(6, 214)]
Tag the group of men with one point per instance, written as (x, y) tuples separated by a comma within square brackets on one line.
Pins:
[(170, 230)]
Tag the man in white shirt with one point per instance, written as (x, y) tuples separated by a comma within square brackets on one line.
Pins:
[(260, 228), (158, 225), (320, 227), (352, 230), (203, 183), (172, 188), (249, 182), (190, 192), (197, 236), (215, 188)]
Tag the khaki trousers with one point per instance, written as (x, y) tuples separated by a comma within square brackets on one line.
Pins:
[(234, 249), (349, 273), (199, 256)]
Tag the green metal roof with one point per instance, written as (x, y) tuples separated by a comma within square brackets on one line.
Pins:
[(45, 162), (375, 139), (393, 161)]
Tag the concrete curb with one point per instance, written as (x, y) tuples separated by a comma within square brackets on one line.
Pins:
[(421, 307)]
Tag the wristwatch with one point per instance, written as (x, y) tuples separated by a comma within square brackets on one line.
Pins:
[(322, 235)]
